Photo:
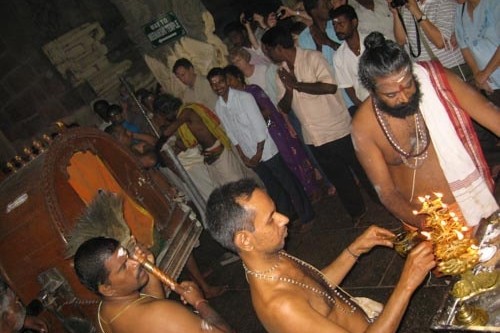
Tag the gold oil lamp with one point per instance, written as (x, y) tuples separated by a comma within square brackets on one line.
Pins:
[(455, 251)]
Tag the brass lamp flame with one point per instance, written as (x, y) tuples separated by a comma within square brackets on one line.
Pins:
[(455, 251)]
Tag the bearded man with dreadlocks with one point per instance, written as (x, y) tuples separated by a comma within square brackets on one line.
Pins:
[(413, 135)]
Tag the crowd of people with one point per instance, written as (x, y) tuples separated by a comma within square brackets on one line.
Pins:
[(328, 96), (282, 112)]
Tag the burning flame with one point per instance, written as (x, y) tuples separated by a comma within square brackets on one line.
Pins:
[(454, 249), (426, 234), (459, 234)]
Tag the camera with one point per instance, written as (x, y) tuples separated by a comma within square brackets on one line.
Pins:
[(248, 17), (398, 3), (280, 14)]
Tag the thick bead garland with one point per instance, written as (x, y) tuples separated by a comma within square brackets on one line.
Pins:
[(422, 135)]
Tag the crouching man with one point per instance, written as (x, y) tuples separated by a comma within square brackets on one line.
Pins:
[(290, 295), (132, 299)]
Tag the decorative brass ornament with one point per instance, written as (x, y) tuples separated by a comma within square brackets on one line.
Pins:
[(468, 315), (472, 284), (454, 249)]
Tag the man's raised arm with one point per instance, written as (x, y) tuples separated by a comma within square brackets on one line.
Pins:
[(418, 264), (476, 105), (340, 267)]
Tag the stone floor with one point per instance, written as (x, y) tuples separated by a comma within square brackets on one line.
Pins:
[(374, 276)]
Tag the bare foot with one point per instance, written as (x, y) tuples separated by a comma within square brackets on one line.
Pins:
[(214, 291)]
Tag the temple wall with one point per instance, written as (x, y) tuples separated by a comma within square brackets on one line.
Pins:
[(41, 82), (33, 93)]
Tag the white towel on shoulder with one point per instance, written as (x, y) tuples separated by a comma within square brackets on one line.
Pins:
[(469, 188)]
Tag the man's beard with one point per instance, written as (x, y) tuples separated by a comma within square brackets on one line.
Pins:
[(345, 36), (402, 110)]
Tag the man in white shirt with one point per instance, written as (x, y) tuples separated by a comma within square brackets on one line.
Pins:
[(306, 85), (345, 60), (373, 15), (248, 132)]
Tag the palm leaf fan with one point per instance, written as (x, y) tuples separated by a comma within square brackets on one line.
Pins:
[(102, 218)]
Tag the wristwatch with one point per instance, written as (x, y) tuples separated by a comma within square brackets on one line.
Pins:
[(422, 18)]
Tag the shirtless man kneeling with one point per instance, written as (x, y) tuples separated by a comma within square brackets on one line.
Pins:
[(288, 294)]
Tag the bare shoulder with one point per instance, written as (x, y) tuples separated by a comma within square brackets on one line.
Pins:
[(364, 120), (166, 316), (163, 305)]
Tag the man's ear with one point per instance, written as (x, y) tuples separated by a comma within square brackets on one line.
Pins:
[(243, 240), (106, 289)]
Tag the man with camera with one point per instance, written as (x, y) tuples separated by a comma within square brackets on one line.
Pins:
[(237, 34), (426, 28)]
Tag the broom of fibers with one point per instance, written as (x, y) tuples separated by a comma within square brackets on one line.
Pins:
[(104, 218)]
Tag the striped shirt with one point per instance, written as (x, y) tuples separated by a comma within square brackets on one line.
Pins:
[(442, 14)]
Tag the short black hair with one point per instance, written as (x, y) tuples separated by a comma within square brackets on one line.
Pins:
[(216, 71), (234, 71), (90, 259), (297, 27), (309, 5), (167, 104), (101, 108), (114, 109), (344, 10), (382, 57), (278, 36), (233, 26), (182, 62), (100, 103), (142, 94), (226, 216)]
